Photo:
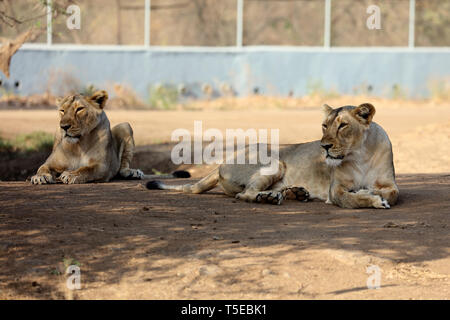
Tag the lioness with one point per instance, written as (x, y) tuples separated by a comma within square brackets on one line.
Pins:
[(351, 166), (86, 149)]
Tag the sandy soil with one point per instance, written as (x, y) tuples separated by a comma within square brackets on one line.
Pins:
[(134, 243)]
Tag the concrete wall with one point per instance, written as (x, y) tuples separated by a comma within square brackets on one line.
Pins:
[(269, 70)]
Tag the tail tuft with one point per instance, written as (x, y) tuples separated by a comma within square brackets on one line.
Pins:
[(181, 174), (154, 185)]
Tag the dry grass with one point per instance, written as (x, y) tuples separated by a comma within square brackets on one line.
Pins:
[(125, 98)]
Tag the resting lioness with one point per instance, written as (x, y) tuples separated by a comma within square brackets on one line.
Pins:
[(351, 166), (86, 149)]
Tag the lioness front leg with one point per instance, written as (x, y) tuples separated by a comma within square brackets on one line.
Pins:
[(277, 196), (83, 174), (43, 175), (360, 199)]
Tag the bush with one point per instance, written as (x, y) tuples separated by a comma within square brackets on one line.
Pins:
[(35, 141)]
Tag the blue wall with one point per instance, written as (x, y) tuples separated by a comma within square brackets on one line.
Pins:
[(272, 70)]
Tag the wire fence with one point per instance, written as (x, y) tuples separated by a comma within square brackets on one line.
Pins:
[(239, 23)]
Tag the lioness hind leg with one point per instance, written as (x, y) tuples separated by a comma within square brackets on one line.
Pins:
[(256, 190), (123, 134), (296, 193), (270, 196)]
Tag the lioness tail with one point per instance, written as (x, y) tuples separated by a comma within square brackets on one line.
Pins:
[(175, 174), (207, 183)]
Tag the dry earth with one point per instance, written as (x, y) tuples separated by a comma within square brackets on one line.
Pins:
[(135, 243)]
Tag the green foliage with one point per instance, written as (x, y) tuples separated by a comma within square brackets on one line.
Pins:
[(163, 97), (35, 141), (440, 89), (155, 171), (88, 90), (6, 92), (5, 145), (398, 92), (55, 272), (70, 262), (316, 88)]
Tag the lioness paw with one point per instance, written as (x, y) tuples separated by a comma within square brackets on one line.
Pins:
[(42, 179), (382, 203), (270, 197), (132, 173), (70, 178), (385, 204), (243, 196), (296, 193)]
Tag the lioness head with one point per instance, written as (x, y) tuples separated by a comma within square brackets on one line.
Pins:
[(344, 130), (80, 114)]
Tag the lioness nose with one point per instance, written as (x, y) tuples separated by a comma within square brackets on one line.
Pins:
[(326, 146), (65, 127)]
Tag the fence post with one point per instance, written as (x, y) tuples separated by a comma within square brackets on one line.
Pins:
[(327, 27), (49, 22), (239, 22), (412, 19), (147, 23)]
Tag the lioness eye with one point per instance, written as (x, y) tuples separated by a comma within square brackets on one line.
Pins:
[(342, 125), (80, 109), (62, 111), (324, 126)]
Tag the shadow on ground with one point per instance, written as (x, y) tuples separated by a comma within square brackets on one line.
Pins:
[(120, 230)]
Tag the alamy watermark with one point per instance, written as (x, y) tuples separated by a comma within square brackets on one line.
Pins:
[(374, 20), (73, 22), (73, 281), (235, 145), (374, 280)]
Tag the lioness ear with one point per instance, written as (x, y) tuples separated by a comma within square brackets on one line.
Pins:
[(100, 98), (364, 113), (327, 109), (58, 101)]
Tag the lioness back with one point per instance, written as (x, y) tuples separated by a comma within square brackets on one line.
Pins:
[(351, 166)]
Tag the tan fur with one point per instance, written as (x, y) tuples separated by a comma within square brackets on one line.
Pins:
[(357, 170), (85, 147)]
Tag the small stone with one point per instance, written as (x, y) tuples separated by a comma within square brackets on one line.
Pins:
[(267, 272), (208, 270), (391, 225), (217, 238)]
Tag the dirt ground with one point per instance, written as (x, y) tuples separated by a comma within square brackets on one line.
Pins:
[(134, 243)]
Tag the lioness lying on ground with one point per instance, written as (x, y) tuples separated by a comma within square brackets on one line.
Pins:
[(351, 166), (86, 149)]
